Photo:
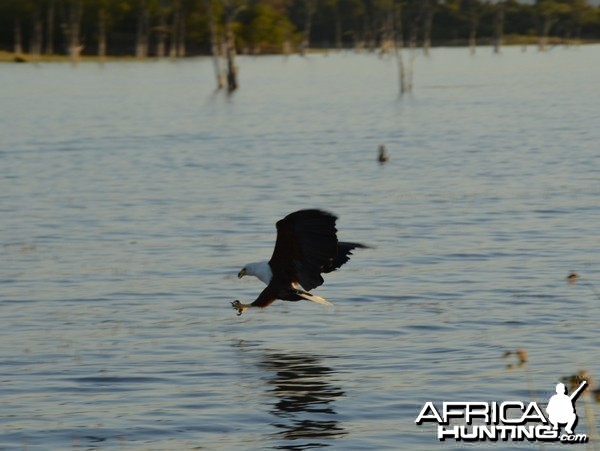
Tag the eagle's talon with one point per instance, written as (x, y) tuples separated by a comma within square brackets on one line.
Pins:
[(241, 308)]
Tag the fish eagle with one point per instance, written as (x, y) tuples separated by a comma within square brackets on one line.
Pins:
[(306, 247)]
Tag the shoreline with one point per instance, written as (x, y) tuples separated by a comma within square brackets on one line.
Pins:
[(510, 41)]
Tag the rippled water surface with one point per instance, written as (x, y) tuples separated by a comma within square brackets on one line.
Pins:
[(131, 195)]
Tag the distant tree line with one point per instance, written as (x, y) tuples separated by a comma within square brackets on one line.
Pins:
[(176, 28)]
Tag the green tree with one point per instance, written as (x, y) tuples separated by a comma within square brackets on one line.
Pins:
[(107, 14), (581, 13), (18, 11), (265, 28)]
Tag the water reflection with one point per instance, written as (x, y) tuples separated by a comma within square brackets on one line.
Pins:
[(304, 394)]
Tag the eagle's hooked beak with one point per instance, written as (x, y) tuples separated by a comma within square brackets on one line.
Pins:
[(242, 273)]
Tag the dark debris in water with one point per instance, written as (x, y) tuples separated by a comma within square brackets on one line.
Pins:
[(521, 356), (572, 278)]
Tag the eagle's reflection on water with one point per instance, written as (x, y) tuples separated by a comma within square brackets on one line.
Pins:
[(304, 394)]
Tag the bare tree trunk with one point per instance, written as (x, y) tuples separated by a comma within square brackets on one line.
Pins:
[(214, 45), (18, 37), (405, 72), (141, 40), (473, 11), (177, 41), (398, 46), (498, 27), (387, 32), (338, 26), (310, 9), (412, 53), (181, 50), (50, 28), (101, 33), (427, 26), (35, 43), (411, 66), (174, 30), (577, 19), (232, 82), (162, 35), (473, 39), (74, 30), (543, 38)]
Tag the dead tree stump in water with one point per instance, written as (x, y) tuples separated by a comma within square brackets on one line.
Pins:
[(232, 83)]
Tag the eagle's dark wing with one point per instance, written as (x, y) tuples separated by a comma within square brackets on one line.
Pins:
[(306, 243), (344, 251)]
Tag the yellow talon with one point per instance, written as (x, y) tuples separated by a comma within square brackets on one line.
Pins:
[(241, 308)]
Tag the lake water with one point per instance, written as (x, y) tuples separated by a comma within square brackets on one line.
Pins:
[(131, 195)]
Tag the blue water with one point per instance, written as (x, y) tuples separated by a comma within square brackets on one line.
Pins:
[(131, 195)]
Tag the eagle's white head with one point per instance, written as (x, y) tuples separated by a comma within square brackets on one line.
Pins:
[(261, 270)]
